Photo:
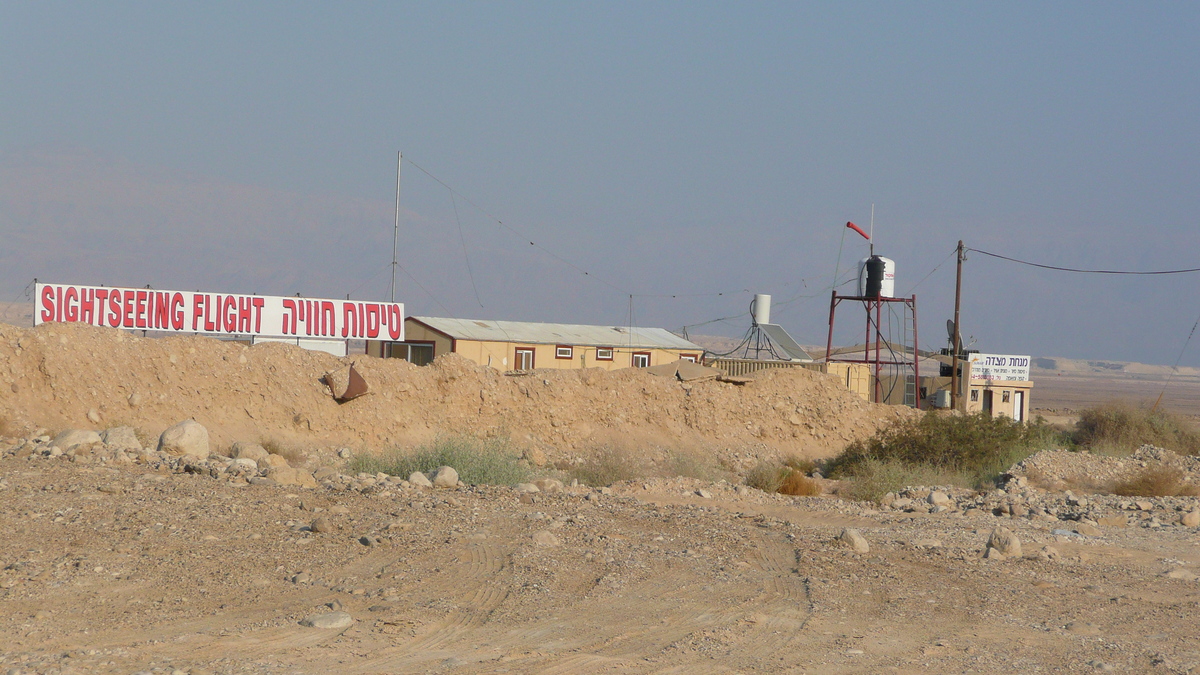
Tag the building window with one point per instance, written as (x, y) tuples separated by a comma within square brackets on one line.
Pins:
[(1006, 396), (563, 352), (416, 353), (524, 360), (689, 357), (604, 354), (974, 395), (641, 359)]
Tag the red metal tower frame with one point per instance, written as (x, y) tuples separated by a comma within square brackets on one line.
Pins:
[(874, 310)]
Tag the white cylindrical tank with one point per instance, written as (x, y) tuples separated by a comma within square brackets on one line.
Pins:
[(887, 288), (760, 311)]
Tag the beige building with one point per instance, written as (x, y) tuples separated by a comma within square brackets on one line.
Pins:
[(518, 345), (998, 391)]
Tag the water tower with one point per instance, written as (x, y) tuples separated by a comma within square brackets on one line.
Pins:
[(876, 291)]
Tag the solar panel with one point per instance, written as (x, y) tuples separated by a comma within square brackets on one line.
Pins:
[(785, 342)]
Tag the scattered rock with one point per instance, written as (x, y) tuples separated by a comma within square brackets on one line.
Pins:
[(1113, 521), (527, 488), (1181, 574), (1081, 628), (322, 525), (93, 416), (546, 539), (273, 461), (188, 438), (251, 451), (534, 456), (122, 438), (705, 494), (420, 480), (854, 539), (1004, 542), (330, 620), (285, 475), (73, 437), (549, 485), (445, 477), (1088, 530), (1191, 518), (939, 498)]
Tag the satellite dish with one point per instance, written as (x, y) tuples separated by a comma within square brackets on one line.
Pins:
[(950, 328)]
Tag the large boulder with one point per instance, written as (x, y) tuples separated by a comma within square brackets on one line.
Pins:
[(251, 451), (445, 477), (73, 437), (189, 438), (1004, 542), (122, 438)]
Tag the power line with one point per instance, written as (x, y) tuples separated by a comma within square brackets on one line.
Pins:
[(1081, 271), (559, 258)]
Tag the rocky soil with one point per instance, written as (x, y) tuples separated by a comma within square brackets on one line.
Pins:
[(147, 543)]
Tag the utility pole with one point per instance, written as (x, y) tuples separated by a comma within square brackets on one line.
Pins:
[(954, 383), (396, 232)]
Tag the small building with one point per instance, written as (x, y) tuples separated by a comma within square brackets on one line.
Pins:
[(996, 384), (520, 345)]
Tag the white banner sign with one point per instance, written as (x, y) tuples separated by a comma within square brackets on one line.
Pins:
[(999, 367), (219, 313)]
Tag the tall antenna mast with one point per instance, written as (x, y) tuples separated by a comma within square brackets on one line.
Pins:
[(396, 232), (872, 228)]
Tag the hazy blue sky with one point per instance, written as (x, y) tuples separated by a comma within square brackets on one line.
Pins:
[(667, 148)]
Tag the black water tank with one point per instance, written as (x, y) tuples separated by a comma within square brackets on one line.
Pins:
[(875, 267)]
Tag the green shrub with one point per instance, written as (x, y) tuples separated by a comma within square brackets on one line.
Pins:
[(977, 446), (608, 465), (478, 462), (1119, 428), (873, 478)]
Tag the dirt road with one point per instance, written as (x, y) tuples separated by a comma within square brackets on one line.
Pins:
[(129, 569)]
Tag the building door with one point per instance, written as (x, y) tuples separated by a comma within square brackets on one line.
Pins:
[(987, 402), (1019, 406)]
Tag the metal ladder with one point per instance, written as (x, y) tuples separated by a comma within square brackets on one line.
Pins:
[(910, 377)]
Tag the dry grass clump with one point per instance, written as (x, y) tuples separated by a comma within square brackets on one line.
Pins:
[(799, 485), (478, 462), (607, 465), (693, 464), (784, 477), (766, 476), (1120, 428), (1159, 480)]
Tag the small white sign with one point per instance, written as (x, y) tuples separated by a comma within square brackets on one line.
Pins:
[(1003, 367)]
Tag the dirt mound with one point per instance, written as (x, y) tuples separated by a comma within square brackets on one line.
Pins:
[(76, 376)]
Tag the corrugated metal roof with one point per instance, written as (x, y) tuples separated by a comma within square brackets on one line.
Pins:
[(558, 334)]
